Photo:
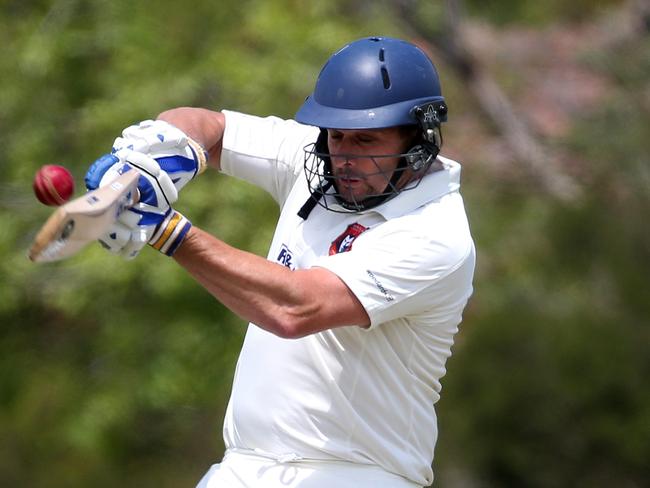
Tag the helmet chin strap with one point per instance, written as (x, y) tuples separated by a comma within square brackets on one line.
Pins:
[(313, 200)]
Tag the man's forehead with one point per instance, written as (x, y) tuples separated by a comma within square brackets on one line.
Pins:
[(383, 130)]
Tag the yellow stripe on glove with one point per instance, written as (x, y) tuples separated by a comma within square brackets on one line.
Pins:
[(170, 233)]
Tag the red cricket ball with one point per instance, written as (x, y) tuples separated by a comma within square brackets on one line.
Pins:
[(53, 185)]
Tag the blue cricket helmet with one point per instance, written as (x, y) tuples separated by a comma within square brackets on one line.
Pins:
[(373, 83)]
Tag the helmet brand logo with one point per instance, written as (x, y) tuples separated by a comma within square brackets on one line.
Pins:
[(343, 243), (430, 115)]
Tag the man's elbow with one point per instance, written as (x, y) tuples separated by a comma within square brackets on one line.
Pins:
[(289, 329), (294, 325)]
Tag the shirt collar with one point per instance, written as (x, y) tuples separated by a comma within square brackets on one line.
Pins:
[(433, 186)]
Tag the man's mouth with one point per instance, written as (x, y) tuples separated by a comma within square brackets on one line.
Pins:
[(349, 178), (349, 181)]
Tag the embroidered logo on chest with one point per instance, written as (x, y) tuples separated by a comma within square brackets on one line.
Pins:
[(343, 243)]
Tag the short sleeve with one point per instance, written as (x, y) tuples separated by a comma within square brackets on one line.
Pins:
[(416, 265), (267, 152)]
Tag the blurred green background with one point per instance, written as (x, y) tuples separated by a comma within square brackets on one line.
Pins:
[(116, 373)]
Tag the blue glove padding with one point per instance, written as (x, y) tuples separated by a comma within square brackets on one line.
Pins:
[(178, 155)]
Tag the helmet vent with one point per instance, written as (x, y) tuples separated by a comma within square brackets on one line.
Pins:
[(385, 77), (381, 55)]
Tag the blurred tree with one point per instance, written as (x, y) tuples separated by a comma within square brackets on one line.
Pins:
[(447, 37), (536, 13), (118, 373), (548, 386)]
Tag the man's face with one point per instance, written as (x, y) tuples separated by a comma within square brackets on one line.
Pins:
[(357, 175)]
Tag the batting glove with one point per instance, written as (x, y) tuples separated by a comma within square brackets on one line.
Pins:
[(127, 239), (135, 226), (178, 155)]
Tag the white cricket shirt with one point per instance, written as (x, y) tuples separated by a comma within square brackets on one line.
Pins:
[(359, 395)]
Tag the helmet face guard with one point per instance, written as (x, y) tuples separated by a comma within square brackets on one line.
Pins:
[(323, 182), (374, 83)]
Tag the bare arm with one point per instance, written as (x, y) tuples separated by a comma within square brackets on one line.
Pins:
[(287, 303), (204, 126)]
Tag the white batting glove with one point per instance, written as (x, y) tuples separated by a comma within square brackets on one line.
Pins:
[(127, 238), (178, 155), (167, 160), (157, 193)]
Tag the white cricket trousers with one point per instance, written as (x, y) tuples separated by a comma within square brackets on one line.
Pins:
[(244, 470)]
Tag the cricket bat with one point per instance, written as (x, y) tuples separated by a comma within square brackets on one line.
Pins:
[(83, 220)]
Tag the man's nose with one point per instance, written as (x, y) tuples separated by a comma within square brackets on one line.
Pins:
[(344, 148), (341, 161)]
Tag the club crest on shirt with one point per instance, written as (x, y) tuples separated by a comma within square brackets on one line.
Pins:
[(343, 243)]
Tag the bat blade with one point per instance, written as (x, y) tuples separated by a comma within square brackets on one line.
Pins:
[(83, 220)]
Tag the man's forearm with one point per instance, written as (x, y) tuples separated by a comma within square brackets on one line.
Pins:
[(254, 288), (287, 303)]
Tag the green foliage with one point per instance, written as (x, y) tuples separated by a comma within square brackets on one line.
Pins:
[(118, 373), (549, 385), (536, 13)]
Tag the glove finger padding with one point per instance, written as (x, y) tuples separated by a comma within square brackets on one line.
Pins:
[(116, 238), (126, 238), (98, 169), (139, 238), (161, 183), (148, 135), (130, 241), (177, 154)]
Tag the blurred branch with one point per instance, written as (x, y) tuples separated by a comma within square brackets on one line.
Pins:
[(630, 21), (448, 39)]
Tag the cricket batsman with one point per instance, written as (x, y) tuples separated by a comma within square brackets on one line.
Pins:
[(353, 313)]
